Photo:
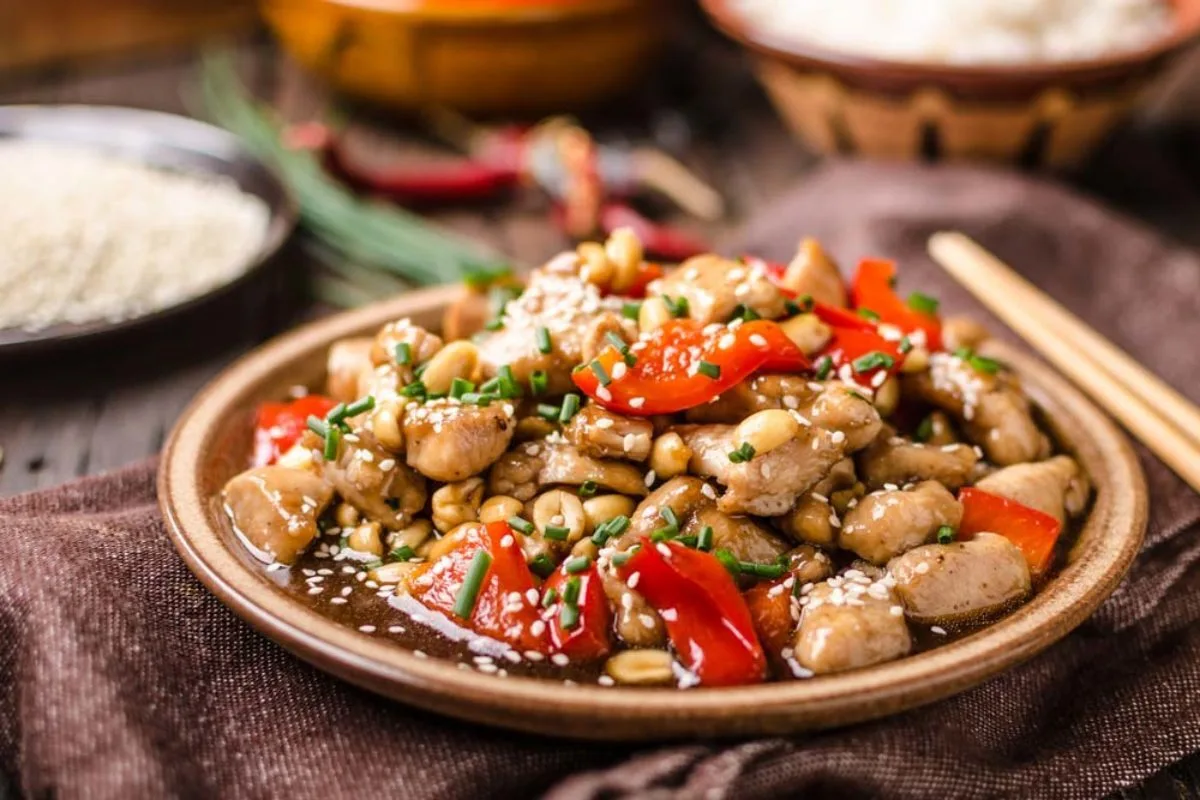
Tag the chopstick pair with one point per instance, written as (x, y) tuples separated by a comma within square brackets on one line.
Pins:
[(1160, 417)]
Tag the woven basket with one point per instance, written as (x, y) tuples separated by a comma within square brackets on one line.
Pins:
[(1052, 115)]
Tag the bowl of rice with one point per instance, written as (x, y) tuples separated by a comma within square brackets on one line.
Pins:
[(1037, 82)]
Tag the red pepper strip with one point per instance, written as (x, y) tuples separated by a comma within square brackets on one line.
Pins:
[(854, 337), (872, 289), (1033, 532), (665, 379), (278, 426), (706, 618), (671, 244), (842, 318), (436, 586), (590, 637), (770, 605)]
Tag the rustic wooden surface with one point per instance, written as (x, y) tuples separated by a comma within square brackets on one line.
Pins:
[(79, 414)]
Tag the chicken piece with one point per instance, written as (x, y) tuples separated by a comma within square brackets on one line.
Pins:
[(894, 460), (714, 287), (848, 622), (372, 480), (810, 521), (948, 584), (521, 472), (635, 621), (887, 523), (938, 429), (812, 272), (450, 441), (770, 483), (466, 315), (994, 413), (807, 564), (1056, 486), (275, 510), (596, 334), (598, 432), (960, 332), (566, 307), (422, 346), (348, 368), (845, 413)]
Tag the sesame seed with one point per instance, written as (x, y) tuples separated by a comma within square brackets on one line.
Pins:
[(560, 659), (939, 630), (367, 628)]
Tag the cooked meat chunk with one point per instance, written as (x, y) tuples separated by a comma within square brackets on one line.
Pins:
[(450, 441), (522, 471), (848, 622), (372, 480), (635, 621), (683, 495), (894, 460), (714, 287), (1056, 486), (887, 523), (807, 564), (812, 272), (566, 307), (741, 536), (422, 346), (994, 412), (946, 584), (840, 411), (938, 429), (606, 434), (960, 332), (275, 510), (768, 484), (595, 335), (810, 521), (348, 368)]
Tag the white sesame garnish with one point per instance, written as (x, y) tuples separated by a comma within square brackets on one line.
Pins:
[(939, 630), (367, 628), (637, 402), (560, 659)]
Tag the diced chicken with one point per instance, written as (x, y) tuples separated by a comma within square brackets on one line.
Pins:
[(683, 495), (635, 621), (1056, 486), (892, 459), (521, 472), (348, 368), (470, 312), (375, 482), (810, 521), (450, 441), (422, 345), (714, 287), (275, 510), (885, 524), (598, 432), (769, 483), (948, 584), (994, 413), (840, 411), (596, 334), (850, 623), (940, 429), (812, 272), (807, 564), (958, 332)]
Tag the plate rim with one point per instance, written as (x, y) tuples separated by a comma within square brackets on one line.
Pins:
[(1117, 523)]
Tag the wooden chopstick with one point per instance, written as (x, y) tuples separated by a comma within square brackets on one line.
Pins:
[(1155, 413)]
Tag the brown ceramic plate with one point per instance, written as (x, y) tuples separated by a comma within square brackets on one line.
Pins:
[(212, 440)]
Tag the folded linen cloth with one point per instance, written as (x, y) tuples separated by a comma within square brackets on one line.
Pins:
[(121, 677)]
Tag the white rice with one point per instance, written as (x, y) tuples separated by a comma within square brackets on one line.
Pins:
[(86, 237), (966, 31)]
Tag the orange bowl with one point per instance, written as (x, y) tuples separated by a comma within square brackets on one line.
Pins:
[(475, 56), (1052, 113)]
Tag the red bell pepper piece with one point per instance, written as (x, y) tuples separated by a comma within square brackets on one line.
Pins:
[(706, 618), (853, 337), (873, 289), (664, 241), (843, 318), (770, 605), (589, 637), (666, 376), (647, 273), (496, 612), (1033, 532), (278, 426)]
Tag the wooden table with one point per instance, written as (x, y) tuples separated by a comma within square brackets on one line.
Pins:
[(80, 415)]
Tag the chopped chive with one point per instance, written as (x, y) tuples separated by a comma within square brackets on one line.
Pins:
[(571, 591), (549, 596), (964, 353), (761, 570), (867, 313), (905, 345), (464, 602), (484, 276), (588, 488), (806, 302), (858, 394), (924, 431), (459, 387), (494, 324), (665, 533), (336, 414), (415, 389), (745, 313), (490, 386), (668, 515), (728, 561), (742, 454), (360, 406), (419, 370), (616, 341), (823, 367), (522, 525), (403, 553), (542, 566), (677, 306), (631, 310), (688, 541), (705, 540), (570, 406), (577, 564), (872, 360), (984, 364), (317, 425), (544, 345), (556, 532), (333, 440), (374, 563), (549, 412), (538, 381), (481, 399), (945, 534), (508, 382), (613, 527), (569, 616), (922, 303), (601, 374), (620, 559), (707, 368), (791, 308), (403, 354)]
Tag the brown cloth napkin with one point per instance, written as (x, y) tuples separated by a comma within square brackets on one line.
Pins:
[(121, 677)]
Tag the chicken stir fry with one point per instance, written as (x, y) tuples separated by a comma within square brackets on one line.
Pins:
[(720, 474)]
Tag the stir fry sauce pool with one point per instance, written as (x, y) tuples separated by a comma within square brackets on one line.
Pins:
[(723, 473)]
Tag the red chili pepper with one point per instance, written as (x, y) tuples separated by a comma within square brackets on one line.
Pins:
[(770, 605), (589, 636), (278, 426), (706, 618), (1033, 532), (669, 373), (671, 244), (873, 289), (842, 318), (438, 584), (853, 337)]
